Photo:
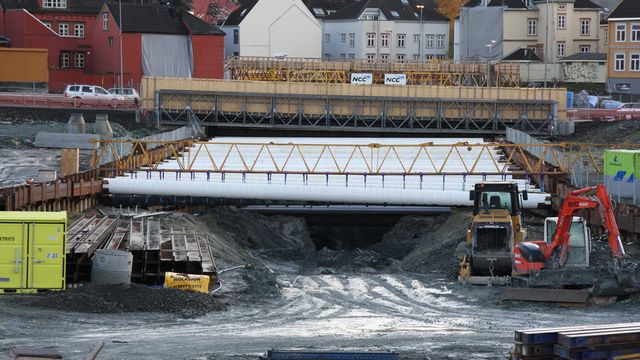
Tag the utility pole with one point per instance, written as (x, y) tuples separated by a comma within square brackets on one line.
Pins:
[(546, 45), (421, 7), (121, 65)]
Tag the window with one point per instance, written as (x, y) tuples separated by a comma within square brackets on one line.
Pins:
[(110, 41), (371, 56), (343, 37), (561, 47), (63, 29), (533, 49), (327, 56), (621, 32), (236, 36), (319, 11), (400, 57), (78, 30), (79, 61), (352, 56), (56, 4), (384, 40), (428, 56), (441, 56), (585, 48), (440, 42), (606, 36), (585, 27), (619, 63), (384, 57), (635, 32), (371, 40), (416, 57), (105, 21), (343, 56), (87, 89), (236, 53), (352, 40), (47, 24), (634, 61), (405, 2), (64, 60), (562, 21), (401, 38), (562, 7), (327, 38), (429, 44), (395, 14), (532, 27), (416, 38)]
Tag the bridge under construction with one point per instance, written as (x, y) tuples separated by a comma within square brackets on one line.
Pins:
[(349, 108)]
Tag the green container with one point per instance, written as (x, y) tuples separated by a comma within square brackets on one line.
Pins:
[(621, 170)]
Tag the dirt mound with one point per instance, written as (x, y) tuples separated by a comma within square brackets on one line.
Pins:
[(405, 236), (282, 237), (627, 131), (435, 250), (95, 298)]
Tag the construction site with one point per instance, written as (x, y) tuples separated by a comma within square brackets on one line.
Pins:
[(292, 212)]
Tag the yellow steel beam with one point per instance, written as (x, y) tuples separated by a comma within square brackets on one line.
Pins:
[(412, 159)]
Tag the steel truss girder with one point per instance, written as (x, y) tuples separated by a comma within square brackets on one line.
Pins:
[(353, 112)]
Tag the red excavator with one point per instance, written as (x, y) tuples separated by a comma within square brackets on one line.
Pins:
[(539, 271), (538, 255)]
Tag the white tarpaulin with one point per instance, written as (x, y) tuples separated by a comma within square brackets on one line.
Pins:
[(167, 55)]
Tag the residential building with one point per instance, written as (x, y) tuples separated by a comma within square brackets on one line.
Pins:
[(82, 39), (63, 27), (554, 29), (623, 74), (157, 40), (273, 28), (386, 30)]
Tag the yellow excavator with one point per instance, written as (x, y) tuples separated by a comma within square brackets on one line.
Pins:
[(496, 227)]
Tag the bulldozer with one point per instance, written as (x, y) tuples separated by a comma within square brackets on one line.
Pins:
[(496, 228)]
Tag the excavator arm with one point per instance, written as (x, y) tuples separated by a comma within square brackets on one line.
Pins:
[(587, 198)]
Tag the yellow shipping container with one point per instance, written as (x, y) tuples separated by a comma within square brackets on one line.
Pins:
[(32, 251)]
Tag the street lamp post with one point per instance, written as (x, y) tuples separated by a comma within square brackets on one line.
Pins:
[(421, 7)]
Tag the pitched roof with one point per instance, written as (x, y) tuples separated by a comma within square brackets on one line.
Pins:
[(392, 10), (626, 9), (522, 54), (510, 4), (600, 57), (75, 7), (236, 17), (159, 19), (323, 8), (586, 4)]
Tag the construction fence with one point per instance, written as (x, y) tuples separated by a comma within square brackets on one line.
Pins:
[(584, 163), (339, 71)]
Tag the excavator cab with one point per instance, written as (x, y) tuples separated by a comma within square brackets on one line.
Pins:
[(495, 228), (579, 241)]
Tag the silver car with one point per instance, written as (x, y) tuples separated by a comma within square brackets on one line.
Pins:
[(89, 92), (126, 93)]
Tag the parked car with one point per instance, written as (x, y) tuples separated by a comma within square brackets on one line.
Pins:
[(126, 93), (89, 92)]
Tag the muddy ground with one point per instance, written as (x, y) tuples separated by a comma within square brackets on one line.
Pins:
[(292, 295)]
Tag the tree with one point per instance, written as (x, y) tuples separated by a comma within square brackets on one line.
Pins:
[(450, 8)]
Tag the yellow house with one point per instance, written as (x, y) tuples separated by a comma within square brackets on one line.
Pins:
[(623, 74)]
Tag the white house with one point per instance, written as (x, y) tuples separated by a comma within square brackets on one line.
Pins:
[(386, 30), (273, 28)]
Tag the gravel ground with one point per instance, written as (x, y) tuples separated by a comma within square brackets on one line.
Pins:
[(355, 299)]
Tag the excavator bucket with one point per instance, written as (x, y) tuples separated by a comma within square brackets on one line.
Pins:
[(546, 295)]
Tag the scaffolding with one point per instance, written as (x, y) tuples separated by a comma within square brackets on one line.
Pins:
[(436, 72)]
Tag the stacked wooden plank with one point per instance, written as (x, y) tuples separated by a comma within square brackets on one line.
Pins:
[(578, 343)]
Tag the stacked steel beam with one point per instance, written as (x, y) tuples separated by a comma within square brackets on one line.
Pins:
[(609, 341)]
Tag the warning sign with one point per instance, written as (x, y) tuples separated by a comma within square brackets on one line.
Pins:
[(187, 282)]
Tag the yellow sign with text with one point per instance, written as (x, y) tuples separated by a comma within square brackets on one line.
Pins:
[(187, 282)]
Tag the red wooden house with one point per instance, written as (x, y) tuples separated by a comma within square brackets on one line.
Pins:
[(83, 40)]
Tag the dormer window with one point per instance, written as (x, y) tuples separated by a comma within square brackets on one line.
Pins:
[(54, 4)]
